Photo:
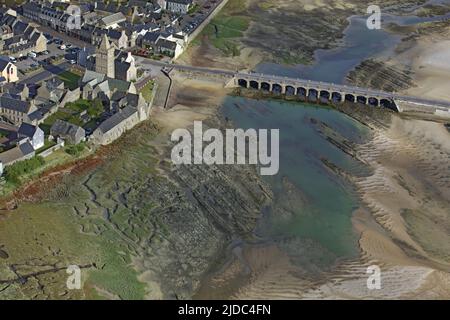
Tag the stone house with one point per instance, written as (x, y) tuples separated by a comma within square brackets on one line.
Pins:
[(15, 110), (8, 71), (24, 150), (67, 131)]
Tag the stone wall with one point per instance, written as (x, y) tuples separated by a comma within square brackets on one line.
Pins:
[(205, 22)]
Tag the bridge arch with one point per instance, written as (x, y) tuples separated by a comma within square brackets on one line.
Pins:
[(313, 94), (254, 84), (361, 99), (336, 97), (265, 86), (277, 88), (324, 95), (242, 83), (372, 101), (290, 91), (301, 92), (349, 97)]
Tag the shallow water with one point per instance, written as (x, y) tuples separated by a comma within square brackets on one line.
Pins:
[(327, 202), (360, 44)]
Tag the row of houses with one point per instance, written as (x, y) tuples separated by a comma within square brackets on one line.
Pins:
[(19, 104), (98, 20), (18, 38)]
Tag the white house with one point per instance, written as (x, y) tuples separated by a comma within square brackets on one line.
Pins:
[(34, 133)]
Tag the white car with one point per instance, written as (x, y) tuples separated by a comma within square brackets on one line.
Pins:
[(62, 47), (12, 59), (72, 61), (32, 54)]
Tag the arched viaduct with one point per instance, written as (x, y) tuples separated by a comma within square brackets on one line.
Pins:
[(315, 91)]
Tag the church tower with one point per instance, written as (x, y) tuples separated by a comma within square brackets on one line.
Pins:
[(104, 58)]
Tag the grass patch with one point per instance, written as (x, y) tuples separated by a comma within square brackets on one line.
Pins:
[(224, 30), (16, 171), (71, 113), (75, 149), (147, 91), (70, 79)]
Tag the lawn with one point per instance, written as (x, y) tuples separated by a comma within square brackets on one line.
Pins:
[(62, 114), (224, 29), (70, 79), (147, 91), (71, 113)]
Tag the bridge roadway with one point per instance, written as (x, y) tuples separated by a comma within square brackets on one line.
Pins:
[(318, 85)]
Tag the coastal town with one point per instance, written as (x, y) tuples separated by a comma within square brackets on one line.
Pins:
[(69, 78), (232, 150)]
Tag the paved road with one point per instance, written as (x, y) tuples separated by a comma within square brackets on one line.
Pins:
[(66, 38), (48, 72)]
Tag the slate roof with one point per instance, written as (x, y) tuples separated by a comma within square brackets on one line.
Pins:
[(3, 63), (10, 102), (90, 75), (64, 128), (27, 130), (53, 83), (113, 18), (166, 44), (116, 119), (16, 153), (151, 36), (121, 67)]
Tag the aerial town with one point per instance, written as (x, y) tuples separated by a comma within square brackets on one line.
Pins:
[(232, 150), (55, 94)]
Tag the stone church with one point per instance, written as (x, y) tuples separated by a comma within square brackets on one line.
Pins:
[(113, 62)]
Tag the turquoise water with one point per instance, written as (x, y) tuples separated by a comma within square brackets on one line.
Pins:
[(325, 203)]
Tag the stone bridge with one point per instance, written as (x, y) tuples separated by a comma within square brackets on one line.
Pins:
[(317, 91)]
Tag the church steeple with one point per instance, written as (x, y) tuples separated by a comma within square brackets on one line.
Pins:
[(104, 60)]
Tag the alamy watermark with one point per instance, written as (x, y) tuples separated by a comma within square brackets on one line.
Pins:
[(374, 20), (74, 19), (74, 279), (374, 280), (237, 147)]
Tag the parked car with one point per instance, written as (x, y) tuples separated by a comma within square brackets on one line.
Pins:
[(62, 47), (72, 61), (12, 59), (32, 54)]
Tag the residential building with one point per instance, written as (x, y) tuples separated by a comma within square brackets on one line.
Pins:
[(24, 37), (14, 110), (112, 21), (179, 6), (24, 150), (124, 66), (8, 71), (33, 133), (67, 131)]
